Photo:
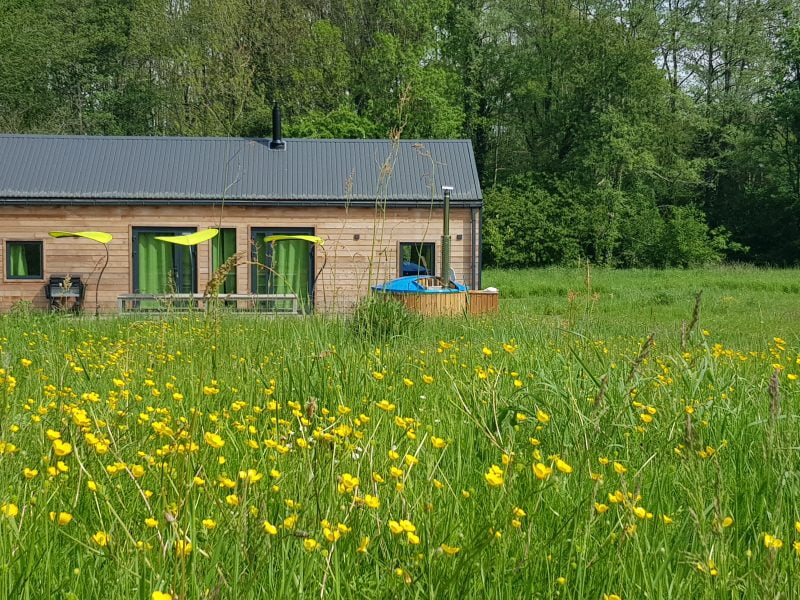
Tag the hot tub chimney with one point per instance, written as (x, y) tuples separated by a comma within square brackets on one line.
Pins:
[(447, 189), (277, 142)]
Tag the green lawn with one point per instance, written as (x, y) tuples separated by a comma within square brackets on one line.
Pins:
[(738, 303), (551, 451)]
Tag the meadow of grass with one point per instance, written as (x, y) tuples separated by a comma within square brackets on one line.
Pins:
[(553, 451), (738, 302)]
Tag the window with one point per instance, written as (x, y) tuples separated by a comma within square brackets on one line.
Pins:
[(417, 258), (223, 246), (160, 267), (285, 267), (24, 260)]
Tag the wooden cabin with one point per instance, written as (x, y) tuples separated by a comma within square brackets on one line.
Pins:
[(376, 204)]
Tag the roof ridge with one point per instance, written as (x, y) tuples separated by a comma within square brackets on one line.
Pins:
[(55, 136)]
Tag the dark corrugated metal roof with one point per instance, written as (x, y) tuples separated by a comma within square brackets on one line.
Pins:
[(88, 169)]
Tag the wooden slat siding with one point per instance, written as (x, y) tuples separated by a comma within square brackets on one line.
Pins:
[(343, 281), (435, 305)]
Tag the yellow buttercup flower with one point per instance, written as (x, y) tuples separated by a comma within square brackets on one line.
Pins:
[(772, 543), (183, 548), (310, 544), (542, 471), (290, 521), (494, 477), (347, 483), (62, 518), (61, 448), (395, 527), (407, 526), (213, 440), (160, 596), (269, 528), (620, 469), (100, 538), (617, 497), (450, 550), (29, 473), (563, 466), (250, 476), (9, 510)]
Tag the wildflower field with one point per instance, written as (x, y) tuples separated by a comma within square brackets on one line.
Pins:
[(557, 450)]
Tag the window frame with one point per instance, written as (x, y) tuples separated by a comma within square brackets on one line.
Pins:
[(166, 231), (400, 245), (7, 273), (257, 235)]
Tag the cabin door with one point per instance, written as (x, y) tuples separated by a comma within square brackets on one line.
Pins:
[(159, 267), (285, 270)]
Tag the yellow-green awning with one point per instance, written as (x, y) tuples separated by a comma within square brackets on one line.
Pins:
[(307, 238), (191, 239), (97, 236)]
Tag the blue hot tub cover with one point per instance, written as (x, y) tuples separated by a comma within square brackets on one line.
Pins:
[(415, 284)]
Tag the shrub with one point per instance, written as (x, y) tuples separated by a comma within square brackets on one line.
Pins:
[(378, 317)]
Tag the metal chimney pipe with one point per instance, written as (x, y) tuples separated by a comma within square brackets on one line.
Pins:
[(447, 189), (277, 142)]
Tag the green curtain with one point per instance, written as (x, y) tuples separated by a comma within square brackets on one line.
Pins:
[(19, 264), (154, 264), (222, 248), (290, 261)]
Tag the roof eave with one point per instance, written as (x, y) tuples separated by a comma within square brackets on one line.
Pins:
[(266, 202)]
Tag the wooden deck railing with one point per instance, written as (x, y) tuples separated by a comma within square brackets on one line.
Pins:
[(279, 304)]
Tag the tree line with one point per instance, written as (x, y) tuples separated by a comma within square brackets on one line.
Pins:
[(624, 132)]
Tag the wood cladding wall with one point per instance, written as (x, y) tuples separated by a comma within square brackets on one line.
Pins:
[(349, 266)]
